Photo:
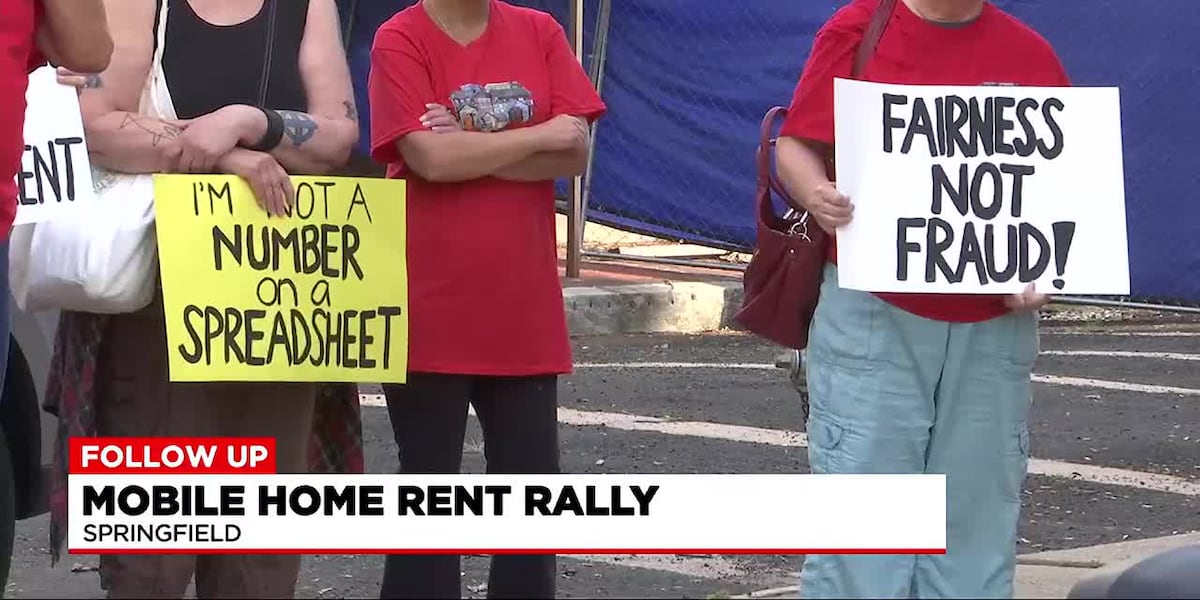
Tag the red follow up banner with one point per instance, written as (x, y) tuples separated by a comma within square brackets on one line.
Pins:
[(193, 456)]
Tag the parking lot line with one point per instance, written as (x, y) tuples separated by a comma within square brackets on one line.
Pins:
[(1123, 354), (794, 439), (1102, 384), (1123, 333), (702, 429)]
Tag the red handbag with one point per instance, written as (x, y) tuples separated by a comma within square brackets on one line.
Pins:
[(782, 283)]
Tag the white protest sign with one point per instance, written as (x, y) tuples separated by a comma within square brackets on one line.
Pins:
[(981, 190), (55, 171)]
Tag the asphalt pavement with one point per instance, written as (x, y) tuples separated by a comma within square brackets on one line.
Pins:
[(1115, 429)]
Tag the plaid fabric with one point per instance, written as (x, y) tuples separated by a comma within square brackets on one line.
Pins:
[(335, 445)]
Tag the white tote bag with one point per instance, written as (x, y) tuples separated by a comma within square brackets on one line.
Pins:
[(102, 257)]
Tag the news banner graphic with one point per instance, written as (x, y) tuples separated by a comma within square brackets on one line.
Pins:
[(981, 190), (211, 496)]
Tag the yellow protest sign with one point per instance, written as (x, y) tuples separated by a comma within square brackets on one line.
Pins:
[(320, 295)]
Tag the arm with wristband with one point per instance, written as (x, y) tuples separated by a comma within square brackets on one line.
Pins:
[(312, 142)]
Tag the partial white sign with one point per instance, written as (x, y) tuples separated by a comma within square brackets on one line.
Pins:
[(55, 171)]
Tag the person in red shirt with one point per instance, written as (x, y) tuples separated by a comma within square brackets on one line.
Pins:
[(479, 105), (917, 383), (71, 33)]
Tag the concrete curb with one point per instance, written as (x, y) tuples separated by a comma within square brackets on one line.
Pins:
[(699, 307), (668, 307)]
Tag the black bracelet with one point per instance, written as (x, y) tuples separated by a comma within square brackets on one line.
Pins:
[(274, 133)]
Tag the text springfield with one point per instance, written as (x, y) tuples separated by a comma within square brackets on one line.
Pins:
[(369, 501)]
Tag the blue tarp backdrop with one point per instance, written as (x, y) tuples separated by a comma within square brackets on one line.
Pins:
[(687, 82)]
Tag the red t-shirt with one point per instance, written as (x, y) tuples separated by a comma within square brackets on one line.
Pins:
[(18, 25), (484, 292), (993, 49)]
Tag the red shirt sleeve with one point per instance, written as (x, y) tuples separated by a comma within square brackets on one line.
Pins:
[(572, 92), (810, 115), (36, 59), (399, 86)]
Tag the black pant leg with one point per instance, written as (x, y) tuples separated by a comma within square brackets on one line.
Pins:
[(429, 422), (519, 418)]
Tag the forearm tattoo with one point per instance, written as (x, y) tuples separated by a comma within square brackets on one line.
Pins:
[(298, 126), (158, 130)]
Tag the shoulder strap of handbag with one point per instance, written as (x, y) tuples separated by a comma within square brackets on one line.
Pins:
[(271, 8), (866, 48)]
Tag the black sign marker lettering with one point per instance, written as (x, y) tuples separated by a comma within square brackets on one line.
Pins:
[(1030, 271), (939, 239), (358, 199), (890, 123), (958, 192), (1054, 150), (1004, 124), (1064, 234), (957, 115), (286, 256), (1018, 172), (989, 210), (904, 247), (1011, 259), (974, 228), (920, 125)]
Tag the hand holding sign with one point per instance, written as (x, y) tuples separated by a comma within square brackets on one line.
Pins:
[(1028, 300), (831, 208), (981, 190), (270, 182)]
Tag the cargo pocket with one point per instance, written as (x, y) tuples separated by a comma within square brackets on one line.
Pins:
[(1024, 345), (824, 445), (1016, 464), (845, 329)]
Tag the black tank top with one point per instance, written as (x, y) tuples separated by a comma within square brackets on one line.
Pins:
[(210, 66)]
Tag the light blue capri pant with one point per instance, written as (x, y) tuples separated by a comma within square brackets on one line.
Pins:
[(895, 393)]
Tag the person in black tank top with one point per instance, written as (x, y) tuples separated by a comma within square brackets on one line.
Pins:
[(262, 90)]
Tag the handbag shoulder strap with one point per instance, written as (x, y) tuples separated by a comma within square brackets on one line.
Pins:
[(269, 53), (866, 49), (872, 35)]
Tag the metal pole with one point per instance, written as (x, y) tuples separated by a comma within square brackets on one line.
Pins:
[(667, 261), (599, 61), (1128, 304), (575, 194)]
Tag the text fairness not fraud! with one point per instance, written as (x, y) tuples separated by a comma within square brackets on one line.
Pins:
[(317, 295), (981, 190)]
